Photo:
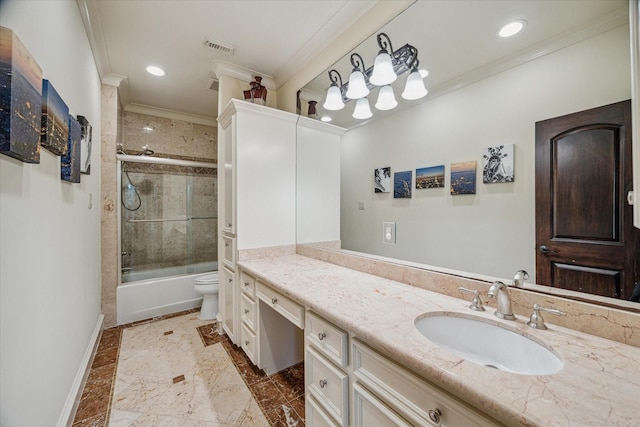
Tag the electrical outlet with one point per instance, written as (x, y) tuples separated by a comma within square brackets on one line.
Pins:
[(389, 233), (361, 206)]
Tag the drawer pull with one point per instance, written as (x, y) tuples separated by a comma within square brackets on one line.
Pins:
[(246, 284), (434, 415), (226, 245), (322, 336), (322, 383), (229, 225), (246, 342), (246, 311), (230, 280), (274, 301)]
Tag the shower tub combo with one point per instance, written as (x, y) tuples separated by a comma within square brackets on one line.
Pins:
[(167, 234)]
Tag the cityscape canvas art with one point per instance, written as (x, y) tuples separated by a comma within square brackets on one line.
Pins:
[(463, 178), (498, 164), (402, 185), (70, 162), (20, 99), (55, 120), (430, 177), (382, 180)]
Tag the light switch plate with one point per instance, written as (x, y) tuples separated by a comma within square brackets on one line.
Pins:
[(389, 233)]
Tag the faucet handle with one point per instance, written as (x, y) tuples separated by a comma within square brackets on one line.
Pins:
[(476, 302), (536, 321)]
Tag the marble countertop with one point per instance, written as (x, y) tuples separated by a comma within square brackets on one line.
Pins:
[(599, 384)]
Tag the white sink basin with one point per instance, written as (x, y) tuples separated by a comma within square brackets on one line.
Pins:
[(488, 344)]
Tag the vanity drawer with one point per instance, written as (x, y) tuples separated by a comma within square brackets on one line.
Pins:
[(315, 416), (292, 311), (410, 396), (248, 342), (328, 339), (248, 311), (247, 284), (328, 384)]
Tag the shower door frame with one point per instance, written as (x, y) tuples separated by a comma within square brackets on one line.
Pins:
[(120, 158)]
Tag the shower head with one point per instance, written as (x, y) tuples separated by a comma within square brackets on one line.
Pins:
[(146, 152)]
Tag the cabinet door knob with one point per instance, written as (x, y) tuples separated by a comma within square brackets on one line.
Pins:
[(246, 311), (322, 336), (246, 284), (322, 383), (246, 342), (226, 245), (230, 280), (434, 415), (274, 301)]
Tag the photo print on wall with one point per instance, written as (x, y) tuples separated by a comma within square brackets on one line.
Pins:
[(402, 185), (70, 162), (498, 164), (463, 178), (20, 99), (55, 121), (382, 180), (430, 177), (85, 145)]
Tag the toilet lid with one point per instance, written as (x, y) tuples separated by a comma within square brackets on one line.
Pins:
[(209, 279)]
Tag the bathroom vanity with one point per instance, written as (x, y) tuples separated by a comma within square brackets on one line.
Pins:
[(365, 360)]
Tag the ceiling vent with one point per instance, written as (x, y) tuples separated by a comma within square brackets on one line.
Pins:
[(220, 47), (213, 84)]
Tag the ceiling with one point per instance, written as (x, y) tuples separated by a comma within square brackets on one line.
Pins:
[(276, 39)]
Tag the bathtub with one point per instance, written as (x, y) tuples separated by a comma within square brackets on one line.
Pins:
[(143, 298)]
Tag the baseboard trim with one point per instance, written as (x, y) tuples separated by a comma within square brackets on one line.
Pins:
[(75, 394)]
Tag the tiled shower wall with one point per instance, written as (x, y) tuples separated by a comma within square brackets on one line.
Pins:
[(169, 136)]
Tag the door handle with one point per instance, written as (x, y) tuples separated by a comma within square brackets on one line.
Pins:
[(545, 250)]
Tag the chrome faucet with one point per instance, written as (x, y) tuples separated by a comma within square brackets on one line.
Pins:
[(519, 278), (499, 290)]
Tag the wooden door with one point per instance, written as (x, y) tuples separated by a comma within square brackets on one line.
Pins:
[(585, 239)]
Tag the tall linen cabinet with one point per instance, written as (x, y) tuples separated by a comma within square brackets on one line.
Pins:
[(258, 148)]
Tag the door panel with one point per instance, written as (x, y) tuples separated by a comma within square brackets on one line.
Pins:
[(584, 233)]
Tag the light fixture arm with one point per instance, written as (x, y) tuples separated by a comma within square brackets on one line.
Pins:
[(383, 44), (335, 78), (357, 62)]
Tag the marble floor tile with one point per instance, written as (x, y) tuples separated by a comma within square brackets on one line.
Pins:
[(178, 371)]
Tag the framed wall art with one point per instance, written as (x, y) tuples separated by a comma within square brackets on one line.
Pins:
[(498, 164), (85, 145), (20, 99), (70, 162), (402, 185), (463, 178), (55, 121), (382, 180), (430, 177)]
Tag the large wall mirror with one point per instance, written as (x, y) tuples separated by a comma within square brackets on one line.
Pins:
[(484, 92)]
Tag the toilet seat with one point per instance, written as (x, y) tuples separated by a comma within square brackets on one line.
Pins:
[(209, 279)]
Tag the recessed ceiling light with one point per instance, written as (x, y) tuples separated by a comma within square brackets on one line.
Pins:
[(325, 118), (156, 71), (512, 28)]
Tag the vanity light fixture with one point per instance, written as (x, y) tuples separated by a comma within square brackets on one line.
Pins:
[(362, 110), (388, 65), (357, 85), (334, 101), (156, 71), (512, 28)]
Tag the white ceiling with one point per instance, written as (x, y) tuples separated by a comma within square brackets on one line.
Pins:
[(276, 38)]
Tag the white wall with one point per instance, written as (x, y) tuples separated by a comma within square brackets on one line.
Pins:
[(49, 238), (491, 232)]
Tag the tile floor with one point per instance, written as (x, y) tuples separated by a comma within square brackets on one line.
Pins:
[(177, 371)]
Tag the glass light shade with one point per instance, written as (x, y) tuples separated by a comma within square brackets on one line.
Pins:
[(362, 110), (357, 86), (386, 99), (334, 99), (414, 89), (383, 73)]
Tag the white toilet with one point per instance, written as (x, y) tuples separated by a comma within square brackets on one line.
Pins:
[(208, 287)]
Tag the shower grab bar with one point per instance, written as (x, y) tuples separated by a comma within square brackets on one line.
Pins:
[(158, 220)]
